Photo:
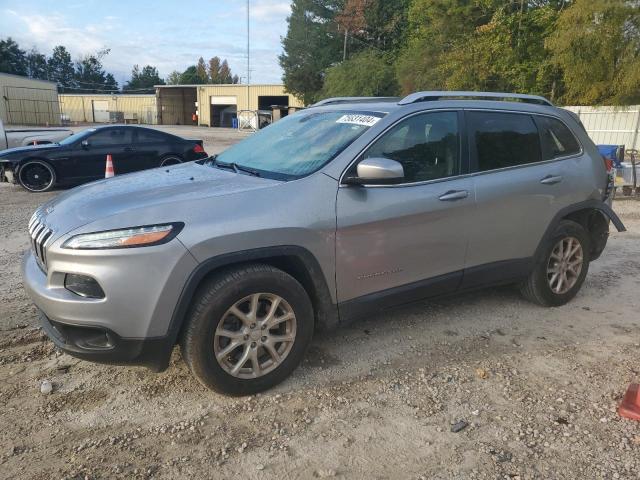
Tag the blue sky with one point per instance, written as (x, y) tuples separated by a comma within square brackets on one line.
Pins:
[(170, 35)]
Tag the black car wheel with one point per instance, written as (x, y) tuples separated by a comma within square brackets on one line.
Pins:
[(37, 176), (170, 160)]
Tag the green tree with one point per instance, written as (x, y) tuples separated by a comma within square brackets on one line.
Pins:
[(367, 74), (91, 77), (190, 76), (174, 78), (596, 44), (312, 44), (61, 69), (12, 58), (37, 65), (143, 81)]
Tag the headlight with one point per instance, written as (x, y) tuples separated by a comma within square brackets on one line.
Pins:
[(125, 238)]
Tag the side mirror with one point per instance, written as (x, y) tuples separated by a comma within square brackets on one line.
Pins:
[(377, 171), (85, 144)]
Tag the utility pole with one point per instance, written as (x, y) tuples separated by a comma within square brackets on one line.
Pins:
[(248, 63), (344, 48)]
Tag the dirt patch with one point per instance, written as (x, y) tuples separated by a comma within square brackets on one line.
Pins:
[(482, 385)]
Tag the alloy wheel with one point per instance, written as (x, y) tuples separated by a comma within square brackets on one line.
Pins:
[(36, 177), (255, 335), (565, 264)]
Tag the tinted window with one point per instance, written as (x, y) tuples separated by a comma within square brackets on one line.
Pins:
[(504, 139), (557, 139), (427, 146), (149, 136), (111, 136)]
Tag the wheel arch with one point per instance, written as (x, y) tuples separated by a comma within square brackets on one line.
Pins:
[(593, 215), (296, 261), (179, 156)]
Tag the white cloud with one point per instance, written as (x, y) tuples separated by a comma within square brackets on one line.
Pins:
[(167, 43)]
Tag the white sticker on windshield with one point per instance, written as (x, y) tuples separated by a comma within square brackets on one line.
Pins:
[(358, 119)]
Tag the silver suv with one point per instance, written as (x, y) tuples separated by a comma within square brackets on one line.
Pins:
[(348, 207)]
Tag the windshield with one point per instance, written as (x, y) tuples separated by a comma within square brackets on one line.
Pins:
[(77, 137), (299, 144)]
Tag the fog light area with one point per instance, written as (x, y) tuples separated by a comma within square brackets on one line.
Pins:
[(83, 286)]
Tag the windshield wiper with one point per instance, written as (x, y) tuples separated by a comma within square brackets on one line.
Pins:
[(236, 168)]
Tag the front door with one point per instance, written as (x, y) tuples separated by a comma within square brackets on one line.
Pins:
[(90, 159), (408, 240)]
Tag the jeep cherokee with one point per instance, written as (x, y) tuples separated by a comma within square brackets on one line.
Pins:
[(347, 207)]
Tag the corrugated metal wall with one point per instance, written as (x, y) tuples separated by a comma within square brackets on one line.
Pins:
[(611, 125), (80, 107), (24, 101), (205, 92)]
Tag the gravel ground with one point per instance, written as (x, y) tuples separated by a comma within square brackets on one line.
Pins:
[(482, 385)]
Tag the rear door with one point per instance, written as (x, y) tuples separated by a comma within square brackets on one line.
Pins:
[(519, 185), (150, 147), (408, 240), (90, 160)]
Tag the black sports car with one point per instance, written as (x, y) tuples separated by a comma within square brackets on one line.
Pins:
[(81, 158)]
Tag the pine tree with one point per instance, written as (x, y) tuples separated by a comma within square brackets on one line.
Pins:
[(12, 58)]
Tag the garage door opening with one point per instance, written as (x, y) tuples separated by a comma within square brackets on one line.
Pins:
[(267, 102), (224, 111)]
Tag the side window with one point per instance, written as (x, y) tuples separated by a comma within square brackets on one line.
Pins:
[(111, 136), (503, 139), (149, 136), (557, 139), (427, 146)]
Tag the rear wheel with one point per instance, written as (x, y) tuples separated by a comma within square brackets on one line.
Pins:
[(248, 330), (170, 160), (559, 274), (37, 176)]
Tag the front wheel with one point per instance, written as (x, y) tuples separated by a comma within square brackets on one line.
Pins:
[(247, 330), (37, 176), (559, 274)]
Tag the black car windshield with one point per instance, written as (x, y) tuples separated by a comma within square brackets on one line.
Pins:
[(299, 144), (71, 139)]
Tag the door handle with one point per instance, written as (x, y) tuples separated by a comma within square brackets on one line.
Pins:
[(453, 195), (551, 180)]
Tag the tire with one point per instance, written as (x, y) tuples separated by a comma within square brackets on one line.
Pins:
[(170, 160), (545, 284), (204, 342), (37, 176)]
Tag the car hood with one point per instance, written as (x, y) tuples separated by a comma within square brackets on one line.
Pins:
[(20, 152), (143, 195)]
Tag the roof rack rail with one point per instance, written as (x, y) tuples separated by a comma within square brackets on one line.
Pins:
[(439, 95), (338, 100)]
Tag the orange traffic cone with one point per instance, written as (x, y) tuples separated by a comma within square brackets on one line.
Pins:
[(108, 172), (630, 406)]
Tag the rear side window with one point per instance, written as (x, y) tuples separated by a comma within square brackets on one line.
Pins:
[(149, 136), (557, 139), (503, 140)]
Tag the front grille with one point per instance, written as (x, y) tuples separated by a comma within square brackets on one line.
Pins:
[(40, 236)]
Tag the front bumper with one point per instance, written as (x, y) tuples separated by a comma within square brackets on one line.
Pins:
[(101, 345), (130, 325)]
